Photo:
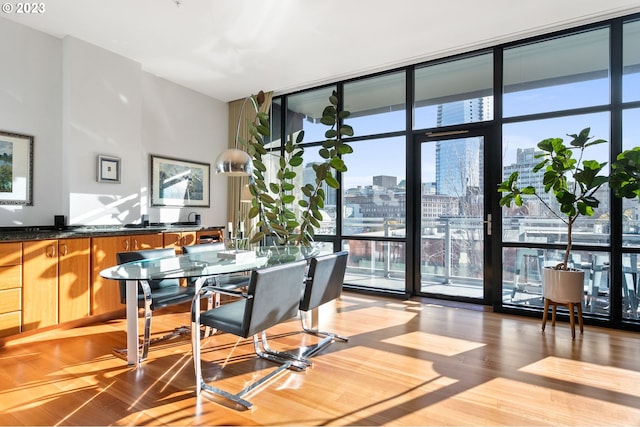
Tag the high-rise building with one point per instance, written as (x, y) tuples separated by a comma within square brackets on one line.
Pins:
[(309, 177), (459, 162), (385, 181)]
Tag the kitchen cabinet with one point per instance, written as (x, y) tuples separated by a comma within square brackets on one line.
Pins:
[(210, 236), (73, 279), (178, 239), (39, 284), (10, 288), (105, 294)]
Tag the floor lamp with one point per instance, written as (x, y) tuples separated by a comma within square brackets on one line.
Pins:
[(236, 162)]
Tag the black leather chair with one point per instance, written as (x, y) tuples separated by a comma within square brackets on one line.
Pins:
[(273, 296), (154, 294), (323, 284), (225, 281)]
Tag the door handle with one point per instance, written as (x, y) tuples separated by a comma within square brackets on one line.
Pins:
[(489, 226)]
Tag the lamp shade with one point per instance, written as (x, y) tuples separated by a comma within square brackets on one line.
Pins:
[(234, 162)]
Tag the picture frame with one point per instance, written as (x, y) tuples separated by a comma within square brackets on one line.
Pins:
[(177, 182), (16, 169), (108, 169)]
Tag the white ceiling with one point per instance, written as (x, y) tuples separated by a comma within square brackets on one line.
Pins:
[(229, 49)]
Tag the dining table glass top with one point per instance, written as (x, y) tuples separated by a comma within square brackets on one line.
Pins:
[(206, 263)]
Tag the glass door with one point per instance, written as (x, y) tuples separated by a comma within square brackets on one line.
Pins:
[(453, 225)]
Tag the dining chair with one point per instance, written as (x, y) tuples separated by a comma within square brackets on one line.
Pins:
[(323, 284), (272, 297), (154, 294), (225, 281)]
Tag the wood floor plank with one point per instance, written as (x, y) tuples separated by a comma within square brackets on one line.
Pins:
[(415, 362)]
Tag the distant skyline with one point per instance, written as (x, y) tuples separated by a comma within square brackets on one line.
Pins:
[(387, 156)]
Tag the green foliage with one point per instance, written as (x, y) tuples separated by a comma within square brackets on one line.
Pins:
[(625, 174), (289, 215), (572, 181)]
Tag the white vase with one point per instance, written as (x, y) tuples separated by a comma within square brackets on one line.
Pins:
[(563, 286)]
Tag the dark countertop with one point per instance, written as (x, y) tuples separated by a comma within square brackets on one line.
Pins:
[(49, 232)]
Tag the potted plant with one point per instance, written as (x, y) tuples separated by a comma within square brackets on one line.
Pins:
[(287, 211), (625, 174), (573, 183)]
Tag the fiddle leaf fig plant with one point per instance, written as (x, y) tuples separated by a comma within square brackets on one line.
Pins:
[(572, 181), (625, 174), (288, 210)]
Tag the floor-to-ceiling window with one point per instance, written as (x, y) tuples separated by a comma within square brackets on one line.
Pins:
[(630, 281), (373, 190), (433, 139)]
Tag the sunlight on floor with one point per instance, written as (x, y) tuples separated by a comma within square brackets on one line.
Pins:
[(588, 374), (442, 345)]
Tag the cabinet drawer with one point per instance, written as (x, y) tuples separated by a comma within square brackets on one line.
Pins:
[(9, 324), (10, 277), (11, 253), (10, 300)]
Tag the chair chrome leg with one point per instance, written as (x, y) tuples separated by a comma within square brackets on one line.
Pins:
[(283, 355), (237, 398), (312, 331), (202, 385), (330, 337), (147, 342), (195, 343), (146, 291), (213, 300)]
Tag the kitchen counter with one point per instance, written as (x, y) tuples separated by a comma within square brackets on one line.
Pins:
[(49, 232)]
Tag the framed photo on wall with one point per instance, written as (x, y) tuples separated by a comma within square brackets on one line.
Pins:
[(108, 169), (16, 169), (176, 182)]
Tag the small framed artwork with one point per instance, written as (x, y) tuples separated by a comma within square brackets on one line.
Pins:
[(176, 182), (16, 169), (108, 169)]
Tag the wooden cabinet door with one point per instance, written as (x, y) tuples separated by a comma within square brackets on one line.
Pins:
[(178, 239), (173, 239), (10, 288), (39, 284), (146, 241), (189, 238), (105, 294), (73, 279)]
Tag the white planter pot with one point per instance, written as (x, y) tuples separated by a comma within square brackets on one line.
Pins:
[(563, 286)]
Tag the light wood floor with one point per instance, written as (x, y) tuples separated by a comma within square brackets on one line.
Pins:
[(407, 363)]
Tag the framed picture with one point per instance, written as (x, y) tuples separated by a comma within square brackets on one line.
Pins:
[(16, 169), (108, 169), (176, 182)]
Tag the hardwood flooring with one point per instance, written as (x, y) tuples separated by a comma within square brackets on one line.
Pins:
[(406, 363)]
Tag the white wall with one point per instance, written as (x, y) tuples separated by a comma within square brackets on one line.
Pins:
[(102, 114), (182, 124), (31, 104), (78, 101)]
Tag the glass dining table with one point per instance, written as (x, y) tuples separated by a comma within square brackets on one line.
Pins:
[(191, 266)]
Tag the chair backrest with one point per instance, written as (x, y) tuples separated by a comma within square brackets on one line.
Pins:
[(165, 284), (204, 247), (201, 248), (276, 296), (325, 279)]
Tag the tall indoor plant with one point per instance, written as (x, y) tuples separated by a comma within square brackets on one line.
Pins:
[(288, 212), (625, 174), (572, 180)]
